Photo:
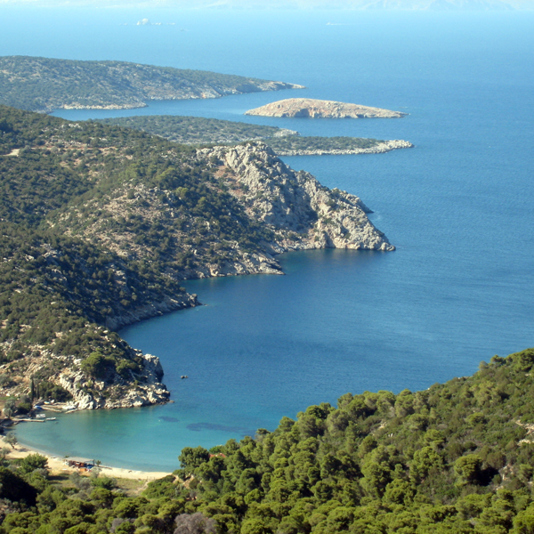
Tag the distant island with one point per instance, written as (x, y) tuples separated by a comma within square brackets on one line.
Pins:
[(198, 131), (322, 109), (44, 84)]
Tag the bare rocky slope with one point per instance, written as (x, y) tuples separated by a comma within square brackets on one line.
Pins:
[(321, 109), (302, 213)]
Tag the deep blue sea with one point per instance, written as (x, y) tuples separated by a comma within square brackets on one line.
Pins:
[(458, 289)]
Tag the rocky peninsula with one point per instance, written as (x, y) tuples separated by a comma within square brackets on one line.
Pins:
[(198, 131), (322, 109), (332, 148)]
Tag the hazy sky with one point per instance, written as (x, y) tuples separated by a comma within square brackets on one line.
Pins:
[(302, 4)]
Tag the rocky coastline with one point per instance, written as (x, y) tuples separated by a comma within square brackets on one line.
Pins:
[(102, 395), (151, 309), (290, 210), (380, 148)]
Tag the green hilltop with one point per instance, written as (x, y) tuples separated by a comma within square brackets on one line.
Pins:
[(455, 458)]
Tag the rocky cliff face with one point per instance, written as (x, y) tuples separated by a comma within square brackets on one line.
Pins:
[(301, 212), (115, 392), (150, 309), (323, 109)]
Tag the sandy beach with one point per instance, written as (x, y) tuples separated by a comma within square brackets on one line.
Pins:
[(57, 464)]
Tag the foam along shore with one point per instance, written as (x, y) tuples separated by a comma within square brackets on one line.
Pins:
[(58, 465)]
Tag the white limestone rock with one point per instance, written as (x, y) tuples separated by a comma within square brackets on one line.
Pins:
[(302, 213)]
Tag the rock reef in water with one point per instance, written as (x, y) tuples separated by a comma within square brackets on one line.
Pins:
[(322, 109)]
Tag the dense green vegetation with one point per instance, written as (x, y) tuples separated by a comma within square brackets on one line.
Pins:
[(44, 84), (201, 131), (455, 458)]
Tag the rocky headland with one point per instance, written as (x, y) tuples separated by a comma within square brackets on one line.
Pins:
[(115, 392), (301, 212), (379, 148), (293, 210)]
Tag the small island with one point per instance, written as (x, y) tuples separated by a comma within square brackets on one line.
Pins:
[(322, 109)]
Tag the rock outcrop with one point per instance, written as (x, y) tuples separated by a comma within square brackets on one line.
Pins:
[(323, 109), (301, 212), (114, 392)]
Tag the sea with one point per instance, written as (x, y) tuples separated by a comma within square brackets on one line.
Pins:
[(458, 206)]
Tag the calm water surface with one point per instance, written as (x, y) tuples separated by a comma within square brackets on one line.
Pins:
[(458, 289)]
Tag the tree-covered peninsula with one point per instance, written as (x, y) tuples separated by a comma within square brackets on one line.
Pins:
[(456, 458), (45, 84), (198, 131), (99, 226)]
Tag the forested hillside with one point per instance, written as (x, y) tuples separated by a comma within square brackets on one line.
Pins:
[(455, 458), (45, 84)]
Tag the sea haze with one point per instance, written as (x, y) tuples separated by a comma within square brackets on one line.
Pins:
[(457, 290)]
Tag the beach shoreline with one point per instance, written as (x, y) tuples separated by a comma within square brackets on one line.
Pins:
[(57, 465)]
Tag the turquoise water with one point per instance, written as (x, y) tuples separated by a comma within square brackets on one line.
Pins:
[(458, 207)]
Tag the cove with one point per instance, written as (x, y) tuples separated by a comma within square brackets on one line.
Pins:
[(458, 207)]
